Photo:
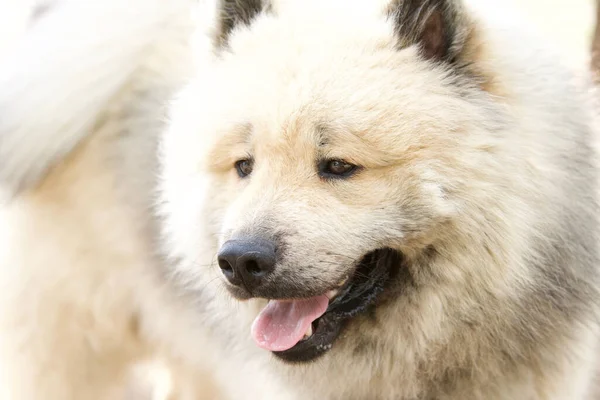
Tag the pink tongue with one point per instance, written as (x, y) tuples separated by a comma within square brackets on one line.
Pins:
[(282, 323)]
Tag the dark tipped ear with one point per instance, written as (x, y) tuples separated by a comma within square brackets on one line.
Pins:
[(439, 27), (232, 13)]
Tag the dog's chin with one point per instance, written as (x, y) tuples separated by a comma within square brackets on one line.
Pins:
[(238, 293), (358, 294)]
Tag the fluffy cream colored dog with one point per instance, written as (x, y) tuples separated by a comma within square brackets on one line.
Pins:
[(401, 193)]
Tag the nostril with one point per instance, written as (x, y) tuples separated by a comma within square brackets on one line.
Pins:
[(253, 268), (226, 267)]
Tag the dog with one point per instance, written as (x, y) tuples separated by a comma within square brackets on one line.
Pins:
[(390, 199), (84, 89)]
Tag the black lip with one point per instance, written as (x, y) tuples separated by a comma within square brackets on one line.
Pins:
[(370, 278)]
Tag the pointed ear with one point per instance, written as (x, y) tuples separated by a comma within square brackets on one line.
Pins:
[(233, 13), (439, 27)]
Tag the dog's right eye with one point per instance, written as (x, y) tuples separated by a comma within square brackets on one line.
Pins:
[(334, 168), (244, 167)]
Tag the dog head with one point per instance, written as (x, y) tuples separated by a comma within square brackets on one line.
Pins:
[(322, 148)]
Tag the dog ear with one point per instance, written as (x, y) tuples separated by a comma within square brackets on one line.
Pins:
[(439, 27), (233, 13)]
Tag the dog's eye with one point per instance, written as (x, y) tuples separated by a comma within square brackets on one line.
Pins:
[(334, 168), (244, 167)]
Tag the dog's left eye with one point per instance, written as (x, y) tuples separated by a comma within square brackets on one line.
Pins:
[(244, 167), (334, 168)]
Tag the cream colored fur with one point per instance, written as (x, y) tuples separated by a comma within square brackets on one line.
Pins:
[(82, 93), (484, 172)]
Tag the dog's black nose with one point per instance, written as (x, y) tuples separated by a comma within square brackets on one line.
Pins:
[(246, 262)]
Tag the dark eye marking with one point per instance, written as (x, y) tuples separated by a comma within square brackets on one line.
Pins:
[(336, 169), (244, 167)]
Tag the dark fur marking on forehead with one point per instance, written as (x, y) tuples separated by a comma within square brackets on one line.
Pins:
[(322, 139), (246, 130), (232, 13), (437, 26)]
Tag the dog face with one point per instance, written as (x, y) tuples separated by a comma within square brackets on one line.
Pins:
[(337, 173), (324, 150)]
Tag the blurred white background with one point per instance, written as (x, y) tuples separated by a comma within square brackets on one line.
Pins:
[(568, 23)]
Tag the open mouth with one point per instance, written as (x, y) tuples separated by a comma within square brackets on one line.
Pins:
[(304, 329)]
